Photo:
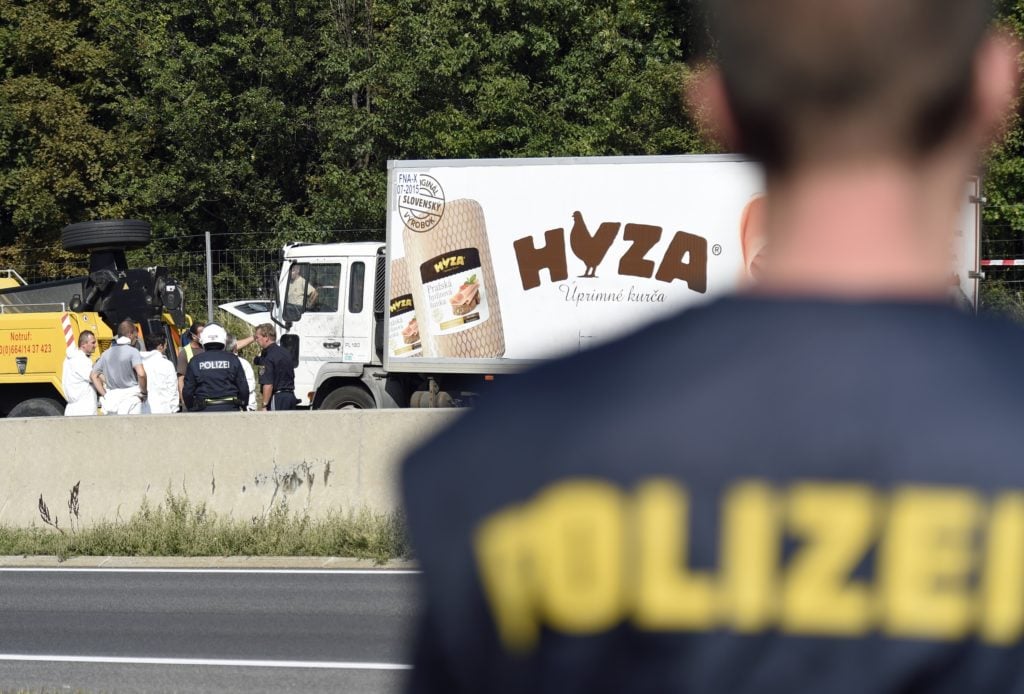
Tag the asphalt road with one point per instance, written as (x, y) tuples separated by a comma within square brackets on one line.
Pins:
[(204, 630)]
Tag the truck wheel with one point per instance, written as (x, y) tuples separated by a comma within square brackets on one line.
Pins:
[(106, 233), (37, 407), (348, 398)]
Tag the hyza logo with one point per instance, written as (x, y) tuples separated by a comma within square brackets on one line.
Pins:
[(455, 261), (420, 201), (686, 257), (401, 305)]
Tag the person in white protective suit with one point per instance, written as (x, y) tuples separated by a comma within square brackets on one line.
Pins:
[(75, 379)]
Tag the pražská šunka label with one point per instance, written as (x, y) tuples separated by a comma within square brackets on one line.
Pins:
[(453, 284), (403, 329)]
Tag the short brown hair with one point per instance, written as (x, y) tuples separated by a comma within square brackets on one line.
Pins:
[(821, 78), (266, 330)]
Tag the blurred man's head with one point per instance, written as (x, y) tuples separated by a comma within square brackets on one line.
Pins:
[(806, 81), (156, 342)]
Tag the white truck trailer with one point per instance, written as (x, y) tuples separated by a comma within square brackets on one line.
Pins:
[(492, 265)]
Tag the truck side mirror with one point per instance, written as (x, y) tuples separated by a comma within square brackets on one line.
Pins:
[(291, 313), (291, 343)]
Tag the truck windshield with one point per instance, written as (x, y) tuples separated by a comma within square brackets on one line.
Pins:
[(312, 287)]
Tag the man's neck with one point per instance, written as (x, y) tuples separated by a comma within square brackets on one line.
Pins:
[(869, 231)]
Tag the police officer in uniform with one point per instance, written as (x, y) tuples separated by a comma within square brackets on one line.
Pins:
[(214, 379), (811, 487), (277, 380)]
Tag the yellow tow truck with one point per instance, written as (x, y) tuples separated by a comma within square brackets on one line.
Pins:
[(39, 322)]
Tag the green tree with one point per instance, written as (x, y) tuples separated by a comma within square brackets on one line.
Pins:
[(55, 151), (274, 121), (489, 78)]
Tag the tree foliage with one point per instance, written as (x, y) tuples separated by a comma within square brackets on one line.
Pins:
[(268, 116), (274, 120), (1004, 174)]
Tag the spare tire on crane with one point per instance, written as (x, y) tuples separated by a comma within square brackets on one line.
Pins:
[(106, 233)]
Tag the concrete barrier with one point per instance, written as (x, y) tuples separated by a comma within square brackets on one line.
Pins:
[(241, 465)]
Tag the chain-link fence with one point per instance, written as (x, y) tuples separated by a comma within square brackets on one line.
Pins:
[(240, 266), (1003, 248), (1003, 276), (247, 266), (246, 270)]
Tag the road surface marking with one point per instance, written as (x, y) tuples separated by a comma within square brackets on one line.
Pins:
[(324, 572), (113, 660)]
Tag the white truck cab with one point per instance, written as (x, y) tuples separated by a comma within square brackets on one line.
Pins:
[(325, 318)]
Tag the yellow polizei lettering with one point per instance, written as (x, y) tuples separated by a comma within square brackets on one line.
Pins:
[(750, 556), (669, 596), (1002, 588), (504, 559), (835, 524), (583, 556), (926, 560), (578, 531)]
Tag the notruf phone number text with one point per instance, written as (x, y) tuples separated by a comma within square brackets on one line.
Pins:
[(25, 349)]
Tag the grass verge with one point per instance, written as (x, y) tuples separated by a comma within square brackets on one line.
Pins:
[(179, 528)]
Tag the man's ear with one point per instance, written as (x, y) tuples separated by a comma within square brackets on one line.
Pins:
[(753, 237), (996, 84), (708, 102)]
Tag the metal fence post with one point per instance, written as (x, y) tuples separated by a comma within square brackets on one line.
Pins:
[(209, 281)]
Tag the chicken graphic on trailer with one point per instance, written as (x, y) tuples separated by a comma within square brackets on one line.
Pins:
[(591, 249)]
